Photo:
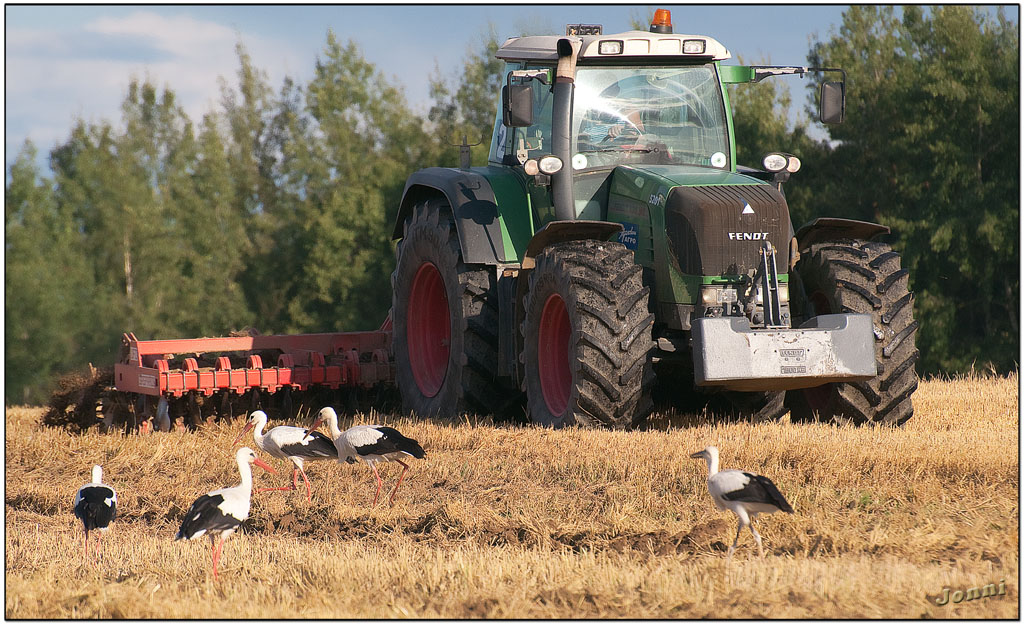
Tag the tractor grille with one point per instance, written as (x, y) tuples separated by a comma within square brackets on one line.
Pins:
[(709, 234)]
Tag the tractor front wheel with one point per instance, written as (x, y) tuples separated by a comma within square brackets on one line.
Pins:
[(844, 276), (587, 337)]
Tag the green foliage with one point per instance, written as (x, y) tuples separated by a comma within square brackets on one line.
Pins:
[(464, 103), (46, 285), (351, 170), (931, 148)]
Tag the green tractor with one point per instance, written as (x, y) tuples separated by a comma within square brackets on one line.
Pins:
[(612, 246)]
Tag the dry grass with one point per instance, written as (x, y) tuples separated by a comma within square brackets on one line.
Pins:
[(527, 522)]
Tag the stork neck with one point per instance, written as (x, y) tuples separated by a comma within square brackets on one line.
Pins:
[(257, 431), (712, 466), (97, 474), (245, 470), (332, 424)]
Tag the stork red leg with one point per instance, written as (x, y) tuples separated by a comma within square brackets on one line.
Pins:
[(216, 546), (405, 468), (309, 494), (379, 483)]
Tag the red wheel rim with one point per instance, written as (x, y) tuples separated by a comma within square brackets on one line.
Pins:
[(553, 355), (428, 329)]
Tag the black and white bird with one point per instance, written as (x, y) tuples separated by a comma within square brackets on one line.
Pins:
[(742, 493), (220, 512), (96, 506), (370, 444), (290, 444)]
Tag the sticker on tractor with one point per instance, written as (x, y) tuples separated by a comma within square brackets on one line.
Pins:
[(499, 149), (629, 236), (147, 381)]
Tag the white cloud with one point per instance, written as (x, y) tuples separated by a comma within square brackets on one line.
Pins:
[(50, 81)]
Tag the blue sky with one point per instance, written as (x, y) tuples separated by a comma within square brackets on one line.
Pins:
[(70, 62)]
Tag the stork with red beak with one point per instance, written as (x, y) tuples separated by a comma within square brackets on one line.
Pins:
[(290, 444), (370, 444), (220, 512)]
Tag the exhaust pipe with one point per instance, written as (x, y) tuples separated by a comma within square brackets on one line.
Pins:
[(561, 128)]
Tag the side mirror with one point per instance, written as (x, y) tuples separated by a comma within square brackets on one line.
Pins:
[(517, 105), (832, 106)]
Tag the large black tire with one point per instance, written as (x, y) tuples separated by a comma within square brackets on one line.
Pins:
[(587, 337), (445, 322), (843, 276)]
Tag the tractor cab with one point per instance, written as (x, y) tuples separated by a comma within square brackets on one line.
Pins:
[(637, 99)]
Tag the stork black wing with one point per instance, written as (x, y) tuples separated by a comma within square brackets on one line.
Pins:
[(317, 445), (204, 514), (392, 441), (93, 509), (759, 490)]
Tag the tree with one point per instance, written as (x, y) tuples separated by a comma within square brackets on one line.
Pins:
[(347, 173), (47, 286), (464, 103), (931, 147), (210, 300)]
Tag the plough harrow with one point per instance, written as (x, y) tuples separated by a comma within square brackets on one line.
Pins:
[(184, 383)]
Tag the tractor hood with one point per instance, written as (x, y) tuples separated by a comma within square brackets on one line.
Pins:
[(715, 221), (681, 175)]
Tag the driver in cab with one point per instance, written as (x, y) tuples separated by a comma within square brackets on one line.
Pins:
[(607, 126)]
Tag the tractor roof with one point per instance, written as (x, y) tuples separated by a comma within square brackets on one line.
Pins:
[(636, 44)]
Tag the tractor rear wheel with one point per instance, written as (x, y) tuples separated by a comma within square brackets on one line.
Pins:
[(587, 337), (844, 276), (445, 321)]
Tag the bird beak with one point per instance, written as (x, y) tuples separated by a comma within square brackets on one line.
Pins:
[(312, 428), (264, 465), (248, 428), (698, 455)]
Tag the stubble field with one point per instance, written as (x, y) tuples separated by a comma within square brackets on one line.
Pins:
[(525, 522)]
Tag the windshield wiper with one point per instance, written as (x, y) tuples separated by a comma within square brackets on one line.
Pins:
[(641, 150)]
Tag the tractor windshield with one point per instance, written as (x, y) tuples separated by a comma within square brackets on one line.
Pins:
[(649, 115)]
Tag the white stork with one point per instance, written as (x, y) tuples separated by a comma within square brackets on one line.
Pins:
[(221, 511), (96, 506), (290, 444), (743, 493), (370, 444)]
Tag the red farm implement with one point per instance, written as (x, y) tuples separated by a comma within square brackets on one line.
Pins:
[(192, 380)]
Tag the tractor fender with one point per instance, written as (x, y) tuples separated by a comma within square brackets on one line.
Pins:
[(829, 228), (561, 231), (473, 205)]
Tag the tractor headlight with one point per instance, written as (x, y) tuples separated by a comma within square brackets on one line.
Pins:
[(783, 294), (693, 46), (717, 295), (550, 164), (777, 162)]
